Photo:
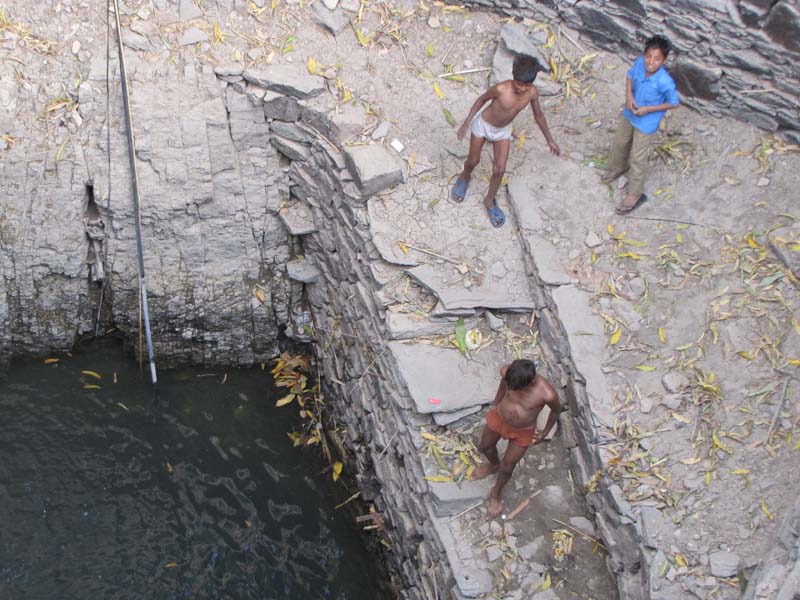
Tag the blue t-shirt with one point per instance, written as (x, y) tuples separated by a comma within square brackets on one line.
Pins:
[(650, 91)]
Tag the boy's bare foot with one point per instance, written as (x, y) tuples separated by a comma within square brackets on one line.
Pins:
[(494, 509), (484, 470)]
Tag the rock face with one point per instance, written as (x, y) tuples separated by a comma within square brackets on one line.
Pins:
[(721, 48)]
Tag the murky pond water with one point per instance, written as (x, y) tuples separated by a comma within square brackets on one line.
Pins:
[(106, 494)]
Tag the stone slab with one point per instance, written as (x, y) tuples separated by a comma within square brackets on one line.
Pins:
[(289, 80), (448, 418), (373, 168), (443, 380), (588, 344), (783, 242), (472, 578), (500, 294), (406, 326), (451, 498), (298, 218), (193, 35), (333, 21), (303, 271)]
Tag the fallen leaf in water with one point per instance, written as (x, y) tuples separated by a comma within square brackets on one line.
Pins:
[(171, 565), (169, 468), (91, 386), (51, 361), (287, 399), (94, 374), (121, 405), (337, 470)]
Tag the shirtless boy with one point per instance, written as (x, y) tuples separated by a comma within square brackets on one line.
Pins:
[(520, 398), (493, 123)]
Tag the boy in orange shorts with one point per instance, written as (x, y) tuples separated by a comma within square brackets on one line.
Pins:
[(521, 396)]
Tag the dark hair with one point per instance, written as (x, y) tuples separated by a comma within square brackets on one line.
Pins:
[(525, 69), (660, 42), (520, 374)]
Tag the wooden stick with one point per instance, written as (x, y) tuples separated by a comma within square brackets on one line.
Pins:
[(465, 72), (465, 511), (350, 499), (778, 410), (757, 91), (670, 221), (575, 43), (580, 533), (432, 253)]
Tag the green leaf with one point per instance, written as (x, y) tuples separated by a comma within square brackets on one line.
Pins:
[(449, 117), (461, 335)]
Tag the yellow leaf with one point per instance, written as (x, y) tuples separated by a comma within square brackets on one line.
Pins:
[(169, 468), (521, 141), (311, 65), (171, 565), (615, 337), (122, 406), (362, 39), (632, 255), (546, 583), (428, 436), (796, 325), (403, 247), (439, 478), (681, 417), (449, 117), (740, 471), (285, 400), (610, 229), (751, 241), (662, 335), (594, 257), (347, 95), (635, 243), (504, 180), (688, 461), (766, 512), (218, 37), (679, 237), (744, 354), (429, 51), (259, 295), (438, 90), (708, 477), (718, 444), (94, 374), (237, 55), (680, 560), (91, 386), (793, 361), (337, 470), (51, 361), (646, 367)]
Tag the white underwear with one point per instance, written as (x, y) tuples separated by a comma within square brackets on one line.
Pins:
[(482, 129)]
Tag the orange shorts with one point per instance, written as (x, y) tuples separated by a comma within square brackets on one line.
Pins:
[(521, 437)]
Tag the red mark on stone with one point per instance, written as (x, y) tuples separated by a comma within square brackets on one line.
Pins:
[(434, 401)]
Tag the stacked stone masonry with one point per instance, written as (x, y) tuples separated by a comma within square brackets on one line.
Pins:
[(732, 57)]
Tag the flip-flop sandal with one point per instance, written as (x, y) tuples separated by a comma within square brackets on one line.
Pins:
[(623, 210), (459, 190), (496, 216)]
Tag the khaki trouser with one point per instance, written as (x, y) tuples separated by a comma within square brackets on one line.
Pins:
[(629, 151)]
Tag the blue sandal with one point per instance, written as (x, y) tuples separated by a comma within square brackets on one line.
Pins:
[(496, 216), (459, 190)]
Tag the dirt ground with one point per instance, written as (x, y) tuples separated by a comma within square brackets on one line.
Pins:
[(688, 285)]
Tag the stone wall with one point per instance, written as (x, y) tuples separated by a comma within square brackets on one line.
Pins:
[(733, 57), (214, 247)]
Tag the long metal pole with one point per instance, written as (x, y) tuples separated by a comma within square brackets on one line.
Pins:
[(136, 203)]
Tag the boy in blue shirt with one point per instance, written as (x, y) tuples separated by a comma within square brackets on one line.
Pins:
[(649, 93)]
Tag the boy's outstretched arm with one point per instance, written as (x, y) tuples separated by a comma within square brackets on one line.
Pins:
[(630, 103), (552, 418), (541, 121), (476, 106)]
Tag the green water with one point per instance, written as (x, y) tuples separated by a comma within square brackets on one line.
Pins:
[(108, 493)]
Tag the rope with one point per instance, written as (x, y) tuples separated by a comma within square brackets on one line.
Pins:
[(136, 202)]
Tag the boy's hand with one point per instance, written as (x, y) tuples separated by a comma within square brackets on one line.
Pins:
[(554, 148), (462, 131), (640, 111), (631, 105)]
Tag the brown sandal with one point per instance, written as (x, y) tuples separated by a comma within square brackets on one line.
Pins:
[(622, 209)]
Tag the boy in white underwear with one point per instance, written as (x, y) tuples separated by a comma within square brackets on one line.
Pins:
[(493, 123)]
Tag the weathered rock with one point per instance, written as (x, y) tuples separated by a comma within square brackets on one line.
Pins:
[(290, 149), (283, 108), (303, 271), (517, 41), (783, 25), (583, 525), (334, 20), (451, 498), (373, 168), (188, 10), (487, 295), (286, 79), (298, 218), (495, 322), (193, 35), (136, 41), (782, 242), (696, 79), (674, 382), (724, 564), (406, 326)]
